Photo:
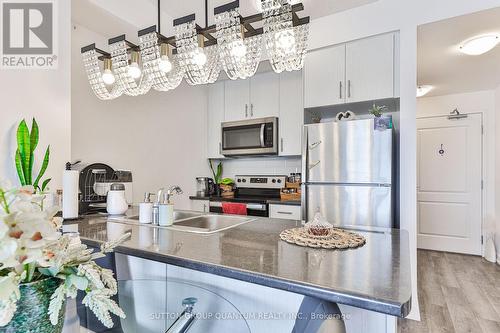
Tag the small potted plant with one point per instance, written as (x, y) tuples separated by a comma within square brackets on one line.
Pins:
[(378, 110)]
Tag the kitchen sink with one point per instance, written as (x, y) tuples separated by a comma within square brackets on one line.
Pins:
[(193, 222), (178, 215), (207, 224)]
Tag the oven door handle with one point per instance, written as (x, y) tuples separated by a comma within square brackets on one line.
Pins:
[(251, 206), (262, 141)]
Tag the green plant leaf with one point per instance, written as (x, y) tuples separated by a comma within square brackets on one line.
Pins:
[(19, 168), (45, 183), (23, 144), (218, 175), (45, 164), (33, 144)]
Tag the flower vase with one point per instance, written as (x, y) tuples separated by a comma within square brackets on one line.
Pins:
[(32, 315)]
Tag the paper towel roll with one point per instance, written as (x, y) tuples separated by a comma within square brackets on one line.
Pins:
[(70, 194)]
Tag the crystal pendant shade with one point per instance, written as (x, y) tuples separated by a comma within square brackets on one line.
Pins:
[(151, 57), (239, 56), (188, 53), (285, 44), (129, 85), (94, 75), (237, 49)]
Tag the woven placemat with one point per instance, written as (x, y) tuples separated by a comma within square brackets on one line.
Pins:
[(335, 239)]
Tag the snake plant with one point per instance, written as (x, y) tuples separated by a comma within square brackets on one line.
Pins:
[(27, 142)]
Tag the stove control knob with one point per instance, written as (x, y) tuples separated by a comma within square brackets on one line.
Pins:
[(279, 181), (239, 180), (244, 180), (274, 180)]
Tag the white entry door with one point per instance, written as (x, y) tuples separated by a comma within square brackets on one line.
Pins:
[(449, 184)]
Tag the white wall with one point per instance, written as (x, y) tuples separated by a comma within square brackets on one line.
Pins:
[(497, 171), (474, 102), (385, 16), (44, 94), (160, 137)]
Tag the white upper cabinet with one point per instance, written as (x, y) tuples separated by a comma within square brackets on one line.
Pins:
[(362, 70), (215, 118), (237, 100), (370, 68), (324, 77), (291, 117), (264, 95)]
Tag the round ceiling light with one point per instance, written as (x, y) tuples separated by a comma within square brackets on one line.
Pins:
[(479, 45), (423, 90)]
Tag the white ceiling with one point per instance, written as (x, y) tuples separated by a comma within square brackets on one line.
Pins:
[(440, 63), (143, 13)]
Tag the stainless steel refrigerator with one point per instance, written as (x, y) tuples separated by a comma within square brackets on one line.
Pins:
[(347, 170)]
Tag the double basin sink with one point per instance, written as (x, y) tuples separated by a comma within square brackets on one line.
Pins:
[(194, 222)]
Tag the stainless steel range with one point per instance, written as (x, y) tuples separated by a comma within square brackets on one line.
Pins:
[(254, 191)]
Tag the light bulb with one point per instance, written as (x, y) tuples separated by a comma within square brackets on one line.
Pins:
[(165, 65), (108, 77), (134, 71), (238, 49), (199, 57), (285, 40)]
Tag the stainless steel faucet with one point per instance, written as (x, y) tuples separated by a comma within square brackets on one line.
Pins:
[(166, 196)]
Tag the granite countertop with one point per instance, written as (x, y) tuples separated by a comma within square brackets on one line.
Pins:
[(374, 277), (272, 201)]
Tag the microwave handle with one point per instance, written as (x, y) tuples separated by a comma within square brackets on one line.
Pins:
[(262, 130)]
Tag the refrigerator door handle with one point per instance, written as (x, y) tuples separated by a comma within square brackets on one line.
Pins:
[(314, 164), (315, 144)]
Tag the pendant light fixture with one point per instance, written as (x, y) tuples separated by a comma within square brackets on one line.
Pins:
[(199, 54)]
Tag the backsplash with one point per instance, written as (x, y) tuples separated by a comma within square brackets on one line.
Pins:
[(261, 166)]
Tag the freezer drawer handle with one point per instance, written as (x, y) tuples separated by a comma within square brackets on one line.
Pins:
[(315, 144), (312, 165)]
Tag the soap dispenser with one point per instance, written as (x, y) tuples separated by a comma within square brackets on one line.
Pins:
[(146, 209), (166, 211)]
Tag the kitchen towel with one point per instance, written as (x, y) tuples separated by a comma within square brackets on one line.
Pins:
[(234, 208)]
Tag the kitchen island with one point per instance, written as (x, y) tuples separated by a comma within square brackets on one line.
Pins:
[(374, 277)]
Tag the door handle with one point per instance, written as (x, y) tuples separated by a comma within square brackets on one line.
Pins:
[(281, 144), (340, 90), (285, 213), (348, 88), (314, 164), (262, 129), (251, 109), (246, 110), (315, 144)]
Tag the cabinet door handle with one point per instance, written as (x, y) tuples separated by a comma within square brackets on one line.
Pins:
[(220, 148), (340, 90), (285, 213), (246, 110), (281, 144), (348, 88), (251, 110)]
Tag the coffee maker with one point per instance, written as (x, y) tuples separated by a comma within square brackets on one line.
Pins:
[(204, 186)]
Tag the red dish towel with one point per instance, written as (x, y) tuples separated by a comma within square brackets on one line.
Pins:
[(234, 208)]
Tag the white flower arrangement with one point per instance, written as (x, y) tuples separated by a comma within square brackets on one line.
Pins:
[(32, 248)]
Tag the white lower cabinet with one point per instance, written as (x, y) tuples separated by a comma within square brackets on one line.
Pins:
[(288, 212), (200, 206)]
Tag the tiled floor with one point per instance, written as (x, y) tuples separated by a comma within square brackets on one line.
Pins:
[(457, 293)]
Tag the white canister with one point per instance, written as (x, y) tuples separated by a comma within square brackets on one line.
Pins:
[(116, 203), (166, 214)]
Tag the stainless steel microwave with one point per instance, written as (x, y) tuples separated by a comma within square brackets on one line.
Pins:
[(250, 137)]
